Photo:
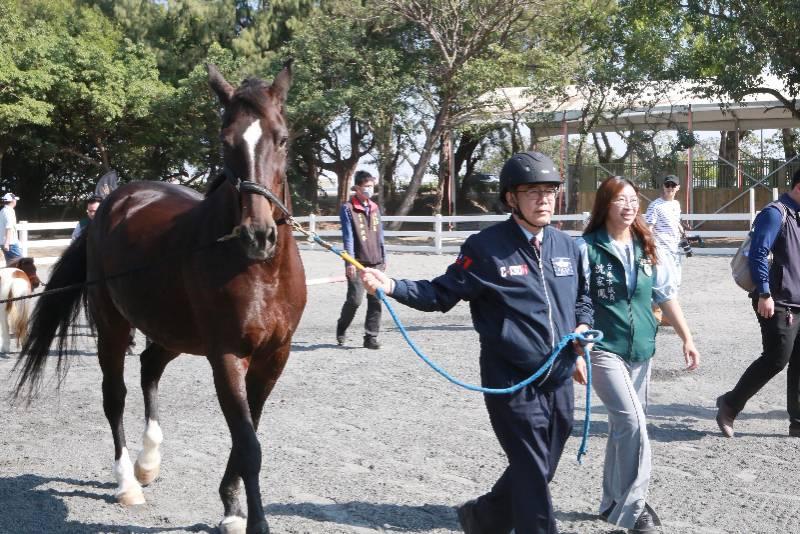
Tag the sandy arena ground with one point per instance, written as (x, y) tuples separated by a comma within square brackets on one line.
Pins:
[(373, 441)]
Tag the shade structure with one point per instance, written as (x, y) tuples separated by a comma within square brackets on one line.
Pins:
[(649, 111)]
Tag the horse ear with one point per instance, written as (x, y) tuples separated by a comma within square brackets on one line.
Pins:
[(220, 86), (280, 86)]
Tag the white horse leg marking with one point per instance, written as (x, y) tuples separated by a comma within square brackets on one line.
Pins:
[(148, 463), (251, 136), (129, 492), (233, 524)]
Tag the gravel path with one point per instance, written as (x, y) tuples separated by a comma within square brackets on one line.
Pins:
[(373, 441)]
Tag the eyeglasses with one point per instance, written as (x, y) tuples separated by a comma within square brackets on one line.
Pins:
[(548, 192), (632, 202)]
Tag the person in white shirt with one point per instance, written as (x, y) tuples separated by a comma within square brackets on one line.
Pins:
[(8, 228), (664, 217)]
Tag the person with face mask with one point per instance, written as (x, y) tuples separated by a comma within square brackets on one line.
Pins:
[(362, 236)]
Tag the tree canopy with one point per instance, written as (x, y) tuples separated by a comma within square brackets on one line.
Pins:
[(91, 85)]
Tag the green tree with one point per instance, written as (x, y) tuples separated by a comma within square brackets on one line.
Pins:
[(101, 91), (349, 83), (470, 48)]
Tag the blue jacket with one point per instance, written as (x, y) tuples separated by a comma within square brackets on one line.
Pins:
[(771, 234), (521, 306)]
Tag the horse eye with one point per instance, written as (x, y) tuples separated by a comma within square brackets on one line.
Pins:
[(283, 141)]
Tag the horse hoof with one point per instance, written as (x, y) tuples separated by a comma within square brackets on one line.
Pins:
[(233, 525), (131, 497), (145, 476)]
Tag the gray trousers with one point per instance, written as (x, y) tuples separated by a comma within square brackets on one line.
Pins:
[(622, 386)]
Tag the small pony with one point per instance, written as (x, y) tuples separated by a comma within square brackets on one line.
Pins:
[(19, 279)]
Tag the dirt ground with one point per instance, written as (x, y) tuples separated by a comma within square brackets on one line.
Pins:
[(359, 441)]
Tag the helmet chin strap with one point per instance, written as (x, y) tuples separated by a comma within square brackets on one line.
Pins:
[(516, 211)]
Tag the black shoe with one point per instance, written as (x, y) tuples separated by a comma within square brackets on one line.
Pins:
[(725, 417), (605, 514), (648, 521), (466, 517), (794, 431), (371, 342)]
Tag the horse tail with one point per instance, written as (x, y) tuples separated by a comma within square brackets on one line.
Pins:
[(19, 310), (56, 310)]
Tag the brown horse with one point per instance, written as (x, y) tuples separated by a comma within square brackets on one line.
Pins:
[(155, 249)]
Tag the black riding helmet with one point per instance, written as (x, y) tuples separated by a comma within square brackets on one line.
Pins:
[(527, 168)]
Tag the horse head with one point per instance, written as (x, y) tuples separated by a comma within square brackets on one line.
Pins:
[(254, 144), (27, 266)]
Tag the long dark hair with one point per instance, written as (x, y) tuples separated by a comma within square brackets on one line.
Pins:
[(606, 193)]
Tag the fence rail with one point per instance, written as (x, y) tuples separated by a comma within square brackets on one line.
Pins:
[(439, 240)]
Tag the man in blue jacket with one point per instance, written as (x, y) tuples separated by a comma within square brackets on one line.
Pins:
[(776, 301), (526, 291)]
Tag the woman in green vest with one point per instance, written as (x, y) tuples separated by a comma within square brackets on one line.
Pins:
[(619, 261)]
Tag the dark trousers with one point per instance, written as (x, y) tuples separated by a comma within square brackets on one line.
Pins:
[(781, 346), (532, 427), (355, 296)]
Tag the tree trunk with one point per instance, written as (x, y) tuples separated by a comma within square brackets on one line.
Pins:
[(305, 166), (467, 145), (605, 152), (422, 164), (387, 156), (729, 151), (346, 167), (789, 138), (575, 176)]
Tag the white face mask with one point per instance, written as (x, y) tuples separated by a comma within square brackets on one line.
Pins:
[(368, 191)]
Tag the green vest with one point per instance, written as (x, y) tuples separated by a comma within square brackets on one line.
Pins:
[(627, 322)]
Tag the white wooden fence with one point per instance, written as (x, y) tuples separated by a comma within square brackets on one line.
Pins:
[(440, 239)]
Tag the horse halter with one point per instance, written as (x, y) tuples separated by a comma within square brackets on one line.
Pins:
[(246, 186)]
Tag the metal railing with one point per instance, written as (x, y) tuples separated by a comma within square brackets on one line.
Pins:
[(706, 174)]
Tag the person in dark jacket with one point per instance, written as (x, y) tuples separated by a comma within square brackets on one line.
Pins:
[(362, 237), (625, 275), (525, 288), (776, 302), (91, 208)]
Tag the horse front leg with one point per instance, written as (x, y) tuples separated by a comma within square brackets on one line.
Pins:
[(154, 360), (245, 457), (111, 345)]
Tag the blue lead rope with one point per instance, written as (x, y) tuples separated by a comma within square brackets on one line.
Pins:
[(588, 336)]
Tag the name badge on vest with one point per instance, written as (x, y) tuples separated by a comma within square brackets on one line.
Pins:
[(562, 267), (647, 267)]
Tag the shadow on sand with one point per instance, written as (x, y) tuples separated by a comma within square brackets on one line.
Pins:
[(32, 506)]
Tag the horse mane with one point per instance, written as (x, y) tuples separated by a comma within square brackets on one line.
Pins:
[(215, 183)]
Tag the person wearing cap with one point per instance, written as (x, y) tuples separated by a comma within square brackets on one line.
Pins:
[(523, 281), (8, 228), (91, 209), (362, 238), (625, 275), (664, 217)]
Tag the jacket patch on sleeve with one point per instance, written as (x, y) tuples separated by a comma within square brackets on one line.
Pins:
[(563, 267), (513, 270), (463, 261)]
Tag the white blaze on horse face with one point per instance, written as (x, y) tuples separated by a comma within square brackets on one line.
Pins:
[(252, 135)]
